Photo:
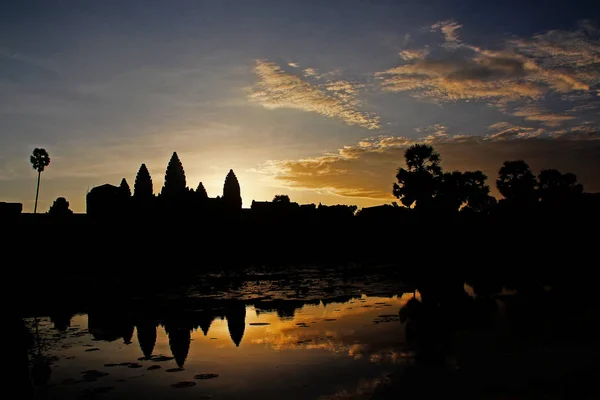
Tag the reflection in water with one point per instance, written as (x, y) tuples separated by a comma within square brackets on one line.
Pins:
[(340, 348), (236, 322), (179, 340), (205, 319), (109, 327), (146, 336), (61, 321), (252, 351)]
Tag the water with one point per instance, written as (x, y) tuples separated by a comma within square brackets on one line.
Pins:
[(317, 351)]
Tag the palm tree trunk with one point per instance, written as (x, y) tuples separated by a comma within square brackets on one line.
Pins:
[(37, 192)]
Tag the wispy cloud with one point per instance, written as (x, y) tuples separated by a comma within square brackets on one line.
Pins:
[(579, 132), (414, 54), (577, 52), (506, 131), (279, 89), (449, 29), (533, 113), (525, 70)]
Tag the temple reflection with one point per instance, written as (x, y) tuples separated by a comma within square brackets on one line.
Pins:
[(146, 335), (179, 333), (236, 322)]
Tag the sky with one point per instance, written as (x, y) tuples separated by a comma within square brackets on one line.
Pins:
[(314, 99)]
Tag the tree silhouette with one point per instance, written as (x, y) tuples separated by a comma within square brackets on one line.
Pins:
[(516, 182), (557, 189), (281, 198), (174, 178), (124, 188), (422, 157), (418, 183), (39, 160), (231, 191), (60, 207), (201, 192), (450, 193), (477, 192), (143, 183)]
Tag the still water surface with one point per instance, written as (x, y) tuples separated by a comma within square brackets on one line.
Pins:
[(319, 351)]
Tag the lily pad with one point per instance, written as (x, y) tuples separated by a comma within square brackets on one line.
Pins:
[(174, 369), (259, 323), (206, 376), (92, 349), (153, 367), (161, 358)]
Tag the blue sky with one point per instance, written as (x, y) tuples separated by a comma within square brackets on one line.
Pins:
[(316, 99)]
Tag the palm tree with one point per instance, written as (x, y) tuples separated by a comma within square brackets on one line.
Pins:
[(422, 157), (39, 160)]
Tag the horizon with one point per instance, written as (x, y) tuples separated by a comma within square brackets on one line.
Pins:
[(316, 101)]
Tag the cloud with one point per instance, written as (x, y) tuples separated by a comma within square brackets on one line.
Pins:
[(577, 52), (311, 72), (294, 65), (416, 54), (532, 113), (579, 132), (367, 170), (491, 79), (279, 89), (506, 131), (449, 29), (522, 70)]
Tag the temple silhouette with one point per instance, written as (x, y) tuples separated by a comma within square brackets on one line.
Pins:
[(175, 196)]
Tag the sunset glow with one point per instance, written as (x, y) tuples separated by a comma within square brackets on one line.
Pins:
[(314, 99)]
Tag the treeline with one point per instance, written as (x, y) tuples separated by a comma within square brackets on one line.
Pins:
[(425, 187)]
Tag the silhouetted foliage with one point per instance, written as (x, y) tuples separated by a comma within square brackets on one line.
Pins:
[(124, 188), (231, 191), (425, 186), (60, 208), (463, 190), (174, 178), (517, 183), (281, 198), (477, 193), (143, 183), (417, 184), (39, 161), (556, 189)]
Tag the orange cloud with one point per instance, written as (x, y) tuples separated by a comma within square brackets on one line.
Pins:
[(532, 113), (279, 89), (449, 30), (564, 62)]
